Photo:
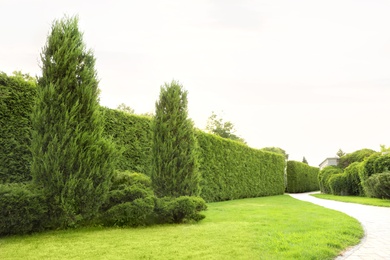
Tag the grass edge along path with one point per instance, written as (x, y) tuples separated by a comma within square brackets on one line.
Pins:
[(355, 199), (277, 227)]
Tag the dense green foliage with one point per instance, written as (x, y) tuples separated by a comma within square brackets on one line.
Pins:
[(130, 200), (378, 185), (17, 94), (22, 209), (353, 183), (368, 167), (276, 150), (337, 184), (71, 160), (183, 209), (232, 170), (301, 177), (275, 227), (175, 156), (324, 175), (357, 156), (132, 135)]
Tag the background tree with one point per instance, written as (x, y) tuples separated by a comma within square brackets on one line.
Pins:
[(304, 160), (125, 108), (224, 129), (276, 150), (72, 161), (340, 153), (175, 170), (357, 156)]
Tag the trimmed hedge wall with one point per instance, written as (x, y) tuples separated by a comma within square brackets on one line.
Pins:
[(133, 136), (16, 99), (301, 177), (232, 170)]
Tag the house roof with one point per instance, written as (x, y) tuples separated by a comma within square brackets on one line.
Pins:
[(327, 159)]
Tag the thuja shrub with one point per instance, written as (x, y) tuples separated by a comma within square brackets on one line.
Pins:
[(17, 94), (133, 136), (301, 177), (71, 159), (183, 209), (324, 175), (175, 150), (22, 209), (130, 200), (378, 185), (232, 170)]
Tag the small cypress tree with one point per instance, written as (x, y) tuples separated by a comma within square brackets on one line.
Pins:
[(175, 170), (72, 161)]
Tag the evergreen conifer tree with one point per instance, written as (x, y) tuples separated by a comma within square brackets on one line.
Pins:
[(72, 161), (175, 170)]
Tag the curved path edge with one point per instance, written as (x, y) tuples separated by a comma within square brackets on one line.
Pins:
[(375, 244)]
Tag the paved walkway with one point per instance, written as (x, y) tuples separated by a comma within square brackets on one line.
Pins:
[(376, 222)]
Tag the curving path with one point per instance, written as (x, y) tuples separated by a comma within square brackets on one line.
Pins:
[(376, 223)]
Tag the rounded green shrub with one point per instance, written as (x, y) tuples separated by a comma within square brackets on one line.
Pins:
[(324, 175), (368, 166), (22, 209), (179, 210), (378, 185), (382, 164), (130, 200), (134, 213), (338, 184), (353, 183)]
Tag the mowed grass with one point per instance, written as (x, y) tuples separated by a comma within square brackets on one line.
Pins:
[(355, 199), (277, 227)]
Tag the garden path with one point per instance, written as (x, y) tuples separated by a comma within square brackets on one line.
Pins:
[(376, 223)]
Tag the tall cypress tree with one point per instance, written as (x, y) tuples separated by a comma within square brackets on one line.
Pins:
[(72, 161), (175, 170)]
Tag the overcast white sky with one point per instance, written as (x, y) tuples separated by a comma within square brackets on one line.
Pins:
[(308, 76)]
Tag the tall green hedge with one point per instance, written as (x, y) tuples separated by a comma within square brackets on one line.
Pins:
[(17, 95), (301, 177), (132, 135), (231, 170)]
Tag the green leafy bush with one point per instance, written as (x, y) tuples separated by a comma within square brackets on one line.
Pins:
[(382, 163), (378, 185), (17, 94), (22, 209), (352, 178), (338, 184), (179, 210), (357, 156), (134, 213), (301, 177), (126, 187), (324, 175), (130, 200), (368, 168)]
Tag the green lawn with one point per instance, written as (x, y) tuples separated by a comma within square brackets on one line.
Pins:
[(355, 199), (277, 227)]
